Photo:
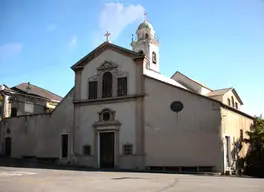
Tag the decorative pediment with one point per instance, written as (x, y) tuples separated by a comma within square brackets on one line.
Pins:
[(120, 73), (116, 70), (107, 120), (106, 115), (106, 110), (94, 77), (106, 65)]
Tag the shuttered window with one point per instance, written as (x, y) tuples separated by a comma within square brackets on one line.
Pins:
[(122, 86), (93, 90), (107, 85), (229, 103), (233, 102), (87, 150)]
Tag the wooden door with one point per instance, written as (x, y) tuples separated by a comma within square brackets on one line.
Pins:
[(107, 150), (8, 146)]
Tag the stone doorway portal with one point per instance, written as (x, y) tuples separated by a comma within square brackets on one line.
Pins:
[(107, 149)]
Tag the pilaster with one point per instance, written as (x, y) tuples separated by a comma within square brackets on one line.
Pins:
[(77, 84)]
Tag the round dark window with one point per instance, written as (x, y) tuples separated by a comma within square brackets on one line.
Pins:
[(106, 116), (176, 106)]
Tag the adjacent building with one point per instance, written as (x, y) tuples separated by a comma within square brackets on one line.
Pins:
[(26, 99)]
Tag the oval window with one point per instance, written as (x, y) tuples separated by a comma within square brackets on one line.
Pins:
[(176, 106)]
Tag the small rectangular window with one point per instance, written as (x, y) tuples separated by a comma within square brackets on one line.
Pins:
[(29, 107), (241, 134), (64, 145), (93, 90), (122, 86), (236, 105), (87, 150), (13, 112), (228, 101), (128, 149)]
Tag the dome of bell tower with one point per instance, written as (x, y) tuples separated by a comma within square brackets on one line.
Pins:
[(145, 31), (147, 43), (145, 25)]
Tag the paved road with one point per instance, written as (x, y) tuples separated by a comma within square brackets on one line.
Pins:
[(46, 180)]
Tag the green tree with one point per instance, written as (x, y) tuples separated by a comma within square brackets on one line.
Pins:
[(255, 157)]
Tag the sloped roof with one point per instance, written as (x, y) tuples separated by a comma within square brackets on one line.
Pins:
[(4, 87), (237, 96), (177, 72), (100, 49), (153, 74), (35, 90), (218, 92), (224, 91), (205, 97)]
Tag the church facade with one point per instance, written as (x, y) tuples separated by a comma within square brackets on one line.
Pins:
[(122, 113)]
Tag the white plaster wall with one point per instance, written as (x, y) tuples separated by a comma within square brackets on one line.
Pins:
[(87, 115), (39, 135), (25, 133), (126, 64), (191, 138), (61, 121), (125, 113), (140, 47), (147, 49)]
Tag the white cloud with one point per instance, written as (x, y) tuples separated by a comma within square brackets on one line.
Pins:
[(51, 27), (115, 17), (9, 50), (72, 42)]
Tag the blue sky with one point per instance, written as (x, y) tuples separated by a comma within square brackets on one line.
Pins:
[(217, 42)]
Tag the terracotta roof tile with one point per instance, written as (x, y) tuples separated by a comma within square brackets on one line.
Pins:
[(35, 90), (218, 92)]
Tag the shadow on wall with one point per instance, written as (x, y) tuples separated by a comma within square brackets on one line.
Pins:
[(252, 164), (254, 159), (238, 161)]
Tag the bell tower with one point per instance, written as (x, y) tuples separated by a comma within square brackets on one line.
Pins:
[(147, 44)]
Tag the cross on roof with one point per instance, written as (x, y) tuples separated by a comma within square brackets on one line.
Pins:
[(145, 15), (107, 36)]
